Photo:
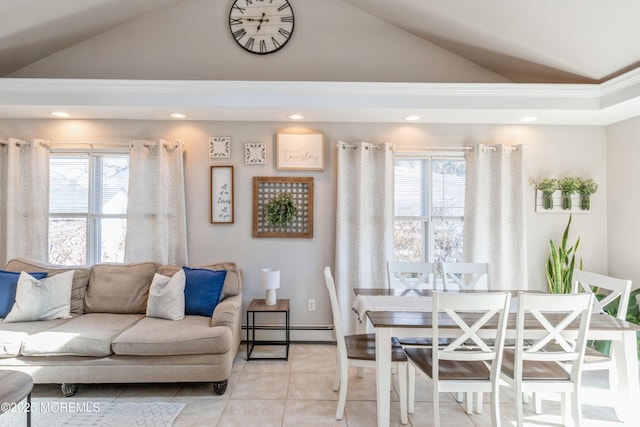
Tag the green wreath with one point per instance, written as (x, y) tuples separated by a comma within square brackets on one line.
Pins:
[(281, 210)]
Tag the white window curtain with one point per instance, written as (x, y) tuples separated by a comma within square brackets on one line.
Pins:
[(24, 199), (364, 221), (156, 212), (494, 215)]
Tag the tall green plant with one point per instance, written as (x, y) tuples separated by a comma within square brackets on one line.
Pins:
[(561, 263)]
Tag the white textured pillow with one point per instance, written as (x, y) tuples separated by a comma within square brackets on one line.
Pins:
[(45, 299), (166, 296)]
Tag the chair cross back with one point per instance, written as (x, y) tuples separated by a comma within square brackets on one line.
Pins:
[(452, 304), (572, 307), (470, 332), (619, 289), (466, 275), (422, 272), (554, 335)]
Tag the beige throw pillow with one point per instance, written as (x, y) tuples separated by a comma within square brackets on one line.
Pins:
[(166, 296), (119, 288), (44, 299)]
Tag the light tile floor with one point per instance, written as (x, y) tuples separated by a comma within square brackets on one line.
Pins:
[(298, 393)]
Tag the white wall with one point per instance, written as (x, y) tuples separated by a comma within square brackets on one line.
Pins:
[(332, 41), (623, 154), (551, 151)]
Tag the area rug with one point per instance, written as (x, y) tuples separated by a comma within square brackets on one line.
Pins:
[(65, 413)]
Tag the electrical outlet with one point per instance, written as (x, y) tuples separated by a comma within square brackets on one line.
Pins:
[(311, 305)]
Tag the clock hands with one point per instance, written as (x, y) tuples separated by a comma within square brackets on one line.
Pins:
[(261, 20)]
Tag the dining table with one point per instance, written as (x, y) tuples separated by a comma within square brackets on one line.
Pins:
[(412, 322)]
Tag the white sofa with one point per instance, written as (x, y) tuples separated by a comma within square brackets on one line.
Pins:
[(109, 339)]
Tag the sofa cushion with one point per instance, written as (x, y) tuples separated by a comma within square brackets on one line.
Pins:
[(202, 290), (44, 299), (119, 288), (166, 296), (80, 277), (232, 282), (12, 335), (86, 335), (8, 286), (192, 335)]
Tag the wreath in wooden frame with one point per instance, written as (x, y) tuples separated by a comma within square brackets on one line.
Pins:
[(281, 210)]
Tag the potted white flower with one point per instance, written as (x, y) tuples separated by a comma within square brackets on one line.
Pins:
[(568, 185), (586, 188), (547, 186)]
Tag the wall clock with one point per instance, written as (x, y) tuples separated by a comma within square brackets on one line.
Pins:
[(261, 26)]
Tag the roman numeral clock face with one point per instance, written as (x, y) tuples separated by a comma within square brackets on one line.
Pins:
[(261, 26)]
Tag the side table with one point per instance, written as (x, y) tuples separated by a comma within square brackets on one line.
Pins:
[(15, 387), (260, 306)]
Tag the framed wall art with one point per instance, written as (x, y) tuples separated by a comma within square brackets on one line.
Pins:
[(300, 151), (221, 187), (282, 207), (255, 153), (219, 147)]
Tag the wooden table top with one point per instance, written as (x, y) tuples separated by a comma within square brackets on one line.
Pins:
[(14, 387), (261, 305), (413, 319), (399, 292)]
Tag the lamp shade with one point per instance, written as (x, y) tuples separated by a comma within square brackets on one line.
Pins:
[(270, 282)]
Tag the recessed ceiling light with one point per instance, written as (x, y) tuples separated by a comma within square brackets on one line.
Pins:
[(178, 116), (61, 114), (412, 118), (295, 116), (528, 119)]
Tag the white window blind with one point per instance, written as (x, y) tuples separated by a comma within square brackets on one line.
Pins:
[(87, 208)]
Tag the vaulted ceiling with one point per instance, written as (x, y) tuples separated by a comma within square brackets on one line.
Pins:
[(541, 41), (571, 41)]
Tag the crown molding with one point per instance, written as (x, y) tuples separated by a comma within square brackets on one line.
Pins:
[(598, 104)]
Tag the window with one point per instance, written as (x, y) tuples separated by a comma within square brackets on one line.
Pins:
[(87, 207), (429, 209)]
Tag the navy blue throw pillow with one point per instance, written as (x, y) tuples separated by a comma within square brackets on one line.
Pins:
[(202, 290)]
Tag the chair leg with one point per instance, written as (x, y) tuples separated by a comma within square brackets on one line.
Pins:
[(436, 405), (342, 396), (565, 408), (478, 402), (336, 381), (495, 406), (537, 403), (411, 388), (519, 405), (468, 404), (402, 385), (576, 409)]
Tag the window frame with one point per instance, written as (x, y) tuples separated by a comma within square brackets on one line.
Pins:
[(428, 247), (93, 218)]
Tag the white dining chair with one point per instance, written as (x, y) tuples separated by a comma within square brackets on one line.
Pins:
[(539, 362), (457, 366), (360, 351), (411, 275), (466, 275), (615, 295)]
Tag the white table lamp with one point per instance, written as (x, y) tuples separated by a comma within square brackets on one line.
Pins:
[(271, 282)]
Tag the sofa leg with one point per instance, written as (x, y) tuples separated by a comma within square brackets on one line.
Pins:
[(219, 387), (68, 390)]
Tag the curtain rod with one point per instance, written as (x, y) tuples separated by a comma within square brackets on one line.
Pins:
[(25, 143), (93, 145), (411, 147), (418, 148)]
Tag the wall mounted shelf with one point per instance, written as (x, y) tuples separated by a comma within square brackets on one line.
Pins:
[(557, 204)]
